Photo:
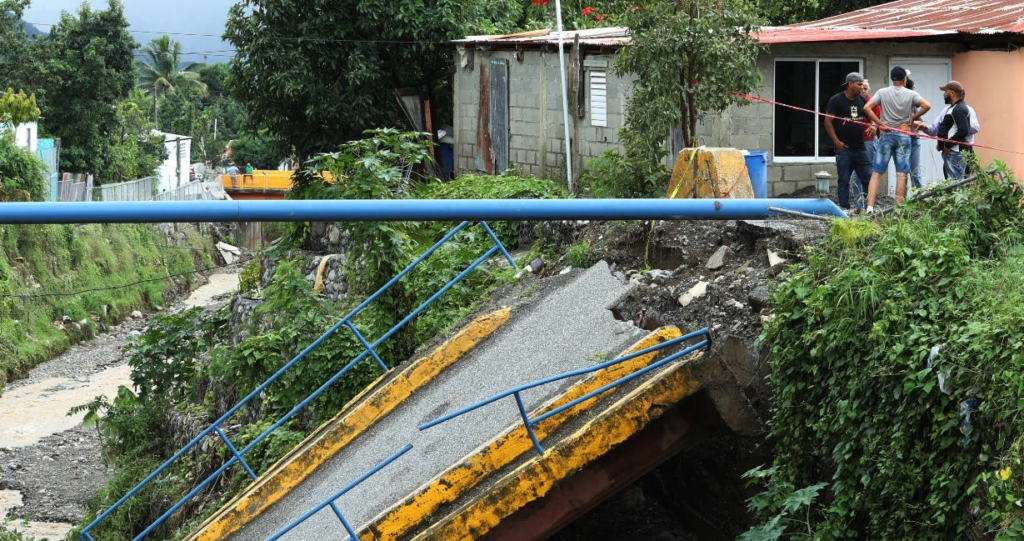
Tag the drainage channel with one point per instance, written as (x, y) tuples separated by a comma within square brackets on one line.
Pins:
[(37, 408)]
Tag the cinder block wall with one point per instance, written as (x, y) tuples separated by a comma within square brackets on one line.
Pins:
[(536, 121)]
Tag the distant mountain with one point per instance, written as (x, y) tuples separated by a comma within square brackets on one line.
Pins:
[(32, 29)]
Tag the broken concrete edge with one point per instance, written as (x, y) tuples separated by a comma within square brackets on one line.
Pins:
[(727, 394), (533, 480), (376, 401), (447, 487)]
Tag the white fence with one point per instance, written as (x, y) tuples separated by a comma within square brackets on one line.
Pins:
[(79, 188), (193, 191), (74, 187), (133, 190)]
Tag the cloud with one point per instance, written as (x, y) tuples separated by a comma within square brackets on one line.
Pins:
[(148, 19)]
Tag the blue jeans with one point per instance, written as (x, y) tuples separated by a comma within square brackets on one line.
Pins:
[(848, 161), (895, 146), (916, 172), (860, 185), (952, 165)]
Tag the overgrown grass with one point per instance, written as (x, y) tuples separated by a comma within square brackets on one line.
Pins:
[(890, 441), (58, 283)]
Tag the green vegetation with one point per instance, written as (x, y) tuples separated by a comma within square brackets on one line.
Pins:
[(687, 57), (890, 441), (580, 255), (58, 283), (22, 175), (161, 71), (613, 175), (289, 50), (16, 107)]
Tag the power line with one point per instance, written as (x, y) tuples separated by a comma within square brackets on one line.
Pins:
[(287, 38), (29, 296)]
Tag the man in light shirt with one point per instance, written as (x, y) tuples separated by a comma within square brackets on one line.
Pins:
[(898, 116)]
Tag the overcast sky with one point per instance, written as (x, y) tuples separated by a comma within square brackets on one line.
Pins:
[(149, 19)]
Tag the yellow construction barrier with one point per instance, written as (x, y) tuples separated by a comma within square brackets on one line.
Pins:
[(710, 173), (264, 180)]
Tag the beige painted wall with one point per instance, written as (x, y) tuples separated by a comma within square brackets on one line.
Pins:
[(991, 79)]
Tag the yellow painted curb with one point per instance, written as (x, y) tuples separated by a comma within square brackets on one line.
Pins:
[(335, 434), (534, 479), (449, 486)]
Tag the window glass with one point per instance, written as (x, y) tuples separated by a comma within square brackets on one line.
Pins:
[(807, 84)]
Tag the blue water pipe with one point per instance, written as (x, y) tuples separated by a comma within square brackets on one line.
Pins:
[(407, 210)]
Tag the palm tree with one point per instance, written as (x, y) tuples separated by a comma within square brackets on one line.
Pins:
[(161, 70)]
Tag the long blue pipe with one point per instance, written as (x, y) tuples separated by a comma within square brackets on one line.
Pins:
[(407, 210)]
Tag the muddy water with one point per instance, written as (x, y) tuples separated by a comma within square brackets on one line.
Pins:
[(38, 409), (34, 411)]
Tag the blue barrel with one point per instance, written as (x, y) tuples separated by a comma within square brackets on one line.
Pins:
[(757, 168)]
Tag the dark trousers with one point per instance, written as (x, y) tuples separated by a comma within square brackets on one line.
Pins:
[(848, 161)]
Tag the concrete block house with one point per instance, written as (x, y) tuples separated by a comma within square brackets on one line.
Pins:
[(508, 94)]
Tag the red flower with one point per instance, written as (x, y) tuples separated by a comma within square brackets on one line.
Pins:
[(539, 3), (597, 17), (587, 11)]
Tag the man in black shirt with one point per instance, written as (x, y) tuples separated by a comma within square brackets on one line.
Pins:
[(955, 126), (847, 133)]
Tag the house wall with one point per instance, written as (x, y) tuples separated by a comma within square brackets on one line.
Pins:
[(537, 136), (537, 133), (752, 126), (1000, 116), (26, 135)]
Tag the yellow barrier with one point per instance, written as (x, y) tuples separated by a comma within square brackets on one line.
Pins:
[(706, 173), (264, 180)]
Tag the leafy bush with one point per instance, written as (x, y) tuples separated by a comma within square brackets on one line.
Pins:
[(580, 255), (913, 445), (613, 175), (21, 170)]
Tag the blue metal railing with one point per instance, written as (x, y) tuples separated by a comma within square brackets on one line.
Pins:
[(531, 422), (369, 349), (338, 494)]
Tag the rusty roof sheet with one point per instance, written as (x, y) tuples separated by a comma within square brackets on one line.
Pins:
[(612, 36), (906, 18)]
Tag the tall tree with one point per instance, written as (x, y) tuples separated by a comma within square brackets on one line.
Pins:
[(22, 68), (781, 12), (161, 71), (91, 70), (687, 56), (317, 73)]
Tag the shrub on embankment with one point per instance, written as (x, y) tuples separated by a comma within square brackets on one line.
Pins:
[(888, 441), (60, 283)]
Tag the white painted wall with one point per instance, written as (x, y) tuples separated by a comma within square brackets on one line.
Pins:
[(174, 171), (26, 135)]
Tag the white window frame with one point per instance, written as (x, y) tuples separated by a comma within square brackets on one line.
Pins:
[(817, 85)]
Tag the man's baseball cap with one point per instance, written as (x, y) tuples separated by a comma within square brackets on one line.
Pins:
[(955, 86), (898, 74), (853, 77)]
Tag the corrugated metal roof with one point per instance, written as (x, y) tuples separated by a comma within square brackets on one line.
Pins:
[(604, 37), (907, 18)]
